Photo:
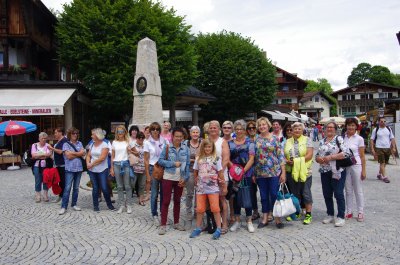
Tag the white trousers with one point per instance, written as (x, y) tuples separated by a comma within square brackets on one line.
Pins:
[(354, 185)]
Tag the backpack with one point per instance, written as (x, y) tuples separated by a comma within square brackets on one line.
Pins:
[(376, 133), (28, 159)]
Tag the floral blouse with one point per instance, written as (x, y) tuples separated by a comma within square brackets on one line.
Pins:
[(331, 148), (240, 154), (207, 180), (269, 157)]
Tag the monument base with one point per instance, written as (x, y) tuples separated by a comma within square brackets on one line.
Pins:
[(147, 109)]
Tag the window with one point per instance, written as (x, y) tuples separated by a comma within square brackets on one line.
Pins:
[(1, 58), (286, 101), (385, 95), (316, 98), (348, 97), (348, 110), (367, 96), (279, 75), (285, 88), (366, 108)]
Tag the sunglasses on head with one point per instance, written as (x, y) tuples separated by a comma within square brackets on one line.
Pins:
[(120, 131)]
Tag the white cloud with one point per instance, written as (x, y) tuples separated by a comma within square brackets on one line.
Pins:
[(316, 39)]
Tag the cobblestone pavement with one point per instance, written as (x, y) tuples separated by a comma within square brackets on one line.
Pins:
[(34, 233)]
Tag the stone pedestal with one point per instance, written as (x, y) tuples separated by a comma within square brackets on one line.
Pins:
[(147, 106)]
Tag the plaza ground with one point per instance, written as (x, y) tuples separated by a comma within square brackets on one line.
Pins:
[(34, 233)]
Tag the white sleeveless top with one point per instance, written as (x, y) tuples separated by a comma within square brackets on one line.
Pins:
[(218, 149)]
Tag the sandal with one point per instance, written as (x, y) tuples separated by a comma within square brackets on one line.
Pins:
[(142, 203), (270, 218), (255, 216), (224, 230)]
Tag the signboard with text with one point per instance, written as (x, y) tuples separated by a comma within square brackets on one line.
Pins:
[(31, 111)]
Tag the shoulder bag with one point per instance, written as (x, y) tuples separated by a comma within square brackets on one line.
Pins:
[(158, 170), (347, 161)]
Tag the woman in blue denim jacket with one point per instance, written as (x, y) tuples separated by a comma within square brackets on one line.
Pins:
[(176, 174)]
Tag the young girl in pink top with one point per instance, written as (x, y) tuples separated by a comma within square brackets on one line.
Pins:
[(209, 180)]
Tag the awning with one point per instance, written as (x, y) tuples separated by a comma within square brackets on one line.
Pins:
[(274, 115), (180, 115), (33, 102), (288, 116)]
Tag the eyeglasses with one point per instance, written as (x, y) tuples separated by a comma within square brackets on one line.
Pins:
[(239, 129), (140, 138), (75, 133), (251, 128), (288, 130), (226, 128), (330, 127)]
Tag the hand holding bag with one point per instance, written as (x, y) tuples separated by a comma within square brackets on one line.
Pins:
[(83, 161), (284, 204), (158, 171)]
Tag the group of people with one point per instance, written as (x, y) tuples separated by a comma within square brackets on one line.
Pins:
[(263, 155)]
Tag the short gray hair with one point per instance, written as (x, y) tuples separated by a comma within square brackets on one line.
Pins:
[(43, 135), (195, 128), (239, 123), (298, 124), (99, 133)]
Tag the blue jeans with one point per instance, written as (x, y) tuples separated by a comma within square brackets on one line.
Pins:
[(100, 178), (268, 190), (121, 171), (70, 177), (156, 188), (330, 187), (237, 204), (39, 179)]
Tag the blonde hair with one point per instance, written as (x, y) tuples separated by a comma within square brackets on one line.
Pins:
[(202, 154), (264, 119), (126, 136), (99, 133)]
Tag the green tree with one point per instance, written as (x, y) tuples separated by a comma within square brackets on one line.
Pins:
[(395, 79), (323, 85), (380, 74), (236, 71), (359, 74), (98, 42)]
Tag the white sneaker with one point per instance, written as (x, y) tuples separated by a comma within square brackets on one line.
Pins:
[(120, 210), (235, 226), (77, 208), (328, 219), (129, 210), (62, 211), (156, 221), (339, 222), (250, 227)]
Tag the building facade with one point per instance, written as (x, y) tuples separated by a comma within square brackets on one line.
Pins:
[(363, 97), (315, 105)]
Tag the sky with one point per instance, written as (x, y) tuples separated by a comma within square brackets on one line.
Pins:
[(313, 38)]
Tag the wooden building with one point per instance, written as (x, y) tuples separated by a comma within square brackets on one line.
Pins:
[(290, 90), (32, 83)]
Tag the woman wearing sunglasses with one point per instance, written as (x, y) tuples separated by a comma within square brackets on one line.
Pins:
[(120, 168)]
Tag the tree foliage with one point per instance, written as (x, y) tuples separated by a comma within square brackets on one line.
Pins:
[(323, 85), (377, 74), (235, 70), (98, 42)]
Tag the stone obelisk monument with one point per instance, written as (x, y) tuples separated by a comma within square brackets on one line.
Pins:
[(147, 106)]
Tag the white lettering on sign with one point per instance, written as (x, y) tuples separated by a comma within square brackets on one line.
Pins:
[(31, 111)]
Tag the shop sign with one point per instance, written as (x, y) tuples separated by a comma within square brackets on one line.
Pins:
[(30, 111)]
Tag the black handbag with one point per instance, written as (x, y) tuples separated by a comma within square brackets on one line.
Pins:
[(347, 161), (83, 161), (244, 195)]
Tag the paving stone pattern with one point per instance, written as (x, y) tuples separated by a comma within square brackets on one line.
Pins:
[(34, 233)]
